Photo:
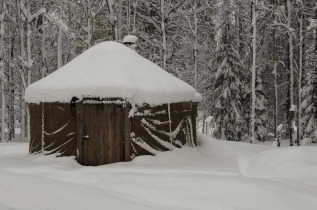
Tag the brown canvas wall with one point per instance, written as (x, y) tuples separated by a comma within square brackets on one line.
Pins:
[(152, 129), (35, 113), (162, 128), (60, 129), (59, 135)]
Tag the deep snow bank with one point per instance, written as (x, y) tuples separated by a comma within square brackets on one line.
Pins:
[(299, 163), (13, 148), (228, 148), (212, 156), (203, 178), (4, 207)]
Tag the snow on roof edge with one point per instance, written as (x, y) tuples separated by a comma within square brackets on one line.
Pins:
[(197, 97), (111, 70)]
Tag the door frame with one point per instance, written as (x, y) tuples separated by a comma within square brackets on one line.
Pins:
[(83, 133)]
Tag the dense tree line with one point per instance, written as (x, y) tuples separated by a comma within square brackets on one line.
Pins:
[(254, 61)]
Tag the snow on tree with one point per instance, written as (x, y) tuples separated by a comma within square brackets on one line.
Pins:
[(309, 92), (91, 10), (160, 19), (261, 115), (309, 95), (228, 86)]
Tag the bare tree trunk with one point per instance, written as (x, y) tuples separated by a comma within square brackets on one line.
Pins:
[(43, 68), (29, 64), (21, 30), (90, 30), (119, 18), (2, 80), (90, 24), (3, 104), (128, 3), (28, 42), (254, 42), (112, 19), (11, 86), (195, 42), (291, 70), (164, 48), (134, 16), (60, 39), (315, 73), (275, 76), (204, 122), (23, 83), (23, 114), (300, 72), (59, 49)]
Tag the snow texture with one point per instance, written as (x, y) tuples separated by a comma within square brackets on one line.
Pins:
[(209, 119), (296, 163), (293, 108), (219, 175), (279, 128), (198, 97), (306, 142), (111, 70)]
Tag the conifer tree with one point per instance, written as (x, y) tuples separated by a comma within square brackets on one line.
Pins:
[(228, 87), (261, 115), (309, 92)]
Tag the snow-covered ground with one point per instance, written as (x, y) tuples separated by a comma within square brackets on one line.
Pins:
[(218, 175)]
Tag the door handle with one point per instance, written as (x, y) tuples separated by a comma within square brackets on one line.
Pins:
[(86, 136)]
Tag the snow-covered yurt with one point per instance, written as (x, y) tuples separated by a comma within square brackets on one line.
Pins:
[(110, 104)]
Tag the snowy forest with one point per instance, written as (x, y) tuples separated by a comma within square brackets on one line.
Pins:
[(253, 61)]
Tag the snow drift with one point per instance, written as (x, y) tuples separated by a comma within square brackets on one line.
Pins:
[(298, 163), (183, 179)]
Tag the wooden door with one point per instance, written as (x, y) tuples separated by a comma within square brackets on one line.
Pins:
[(102, 137)]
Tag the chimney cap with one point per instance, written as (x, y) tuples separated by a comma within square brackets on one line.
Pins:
[(130, 39)]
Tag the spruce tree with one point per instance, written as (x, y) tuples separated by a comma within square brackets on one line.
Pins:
[(309, 93), (228, 87), (261, 115)]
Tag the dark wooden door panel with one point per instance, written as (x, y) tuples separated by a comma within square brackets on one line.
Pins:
[(104, 126)]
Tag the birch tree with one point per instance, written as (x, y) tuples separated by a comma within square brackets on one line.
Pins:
[(86, 23), (11, 81), (291, 70), (300, 70), (24, 9), (193, 27), (160, 18), (254, 47), (2, 75), (113, 19), (274, 65), (60, 39)]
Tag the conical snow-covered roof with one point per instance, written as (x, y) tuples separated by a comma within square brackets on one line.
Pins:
[(111, 70)]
